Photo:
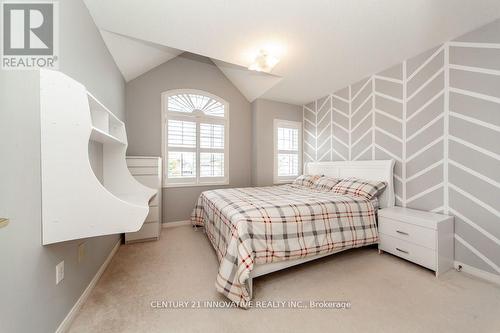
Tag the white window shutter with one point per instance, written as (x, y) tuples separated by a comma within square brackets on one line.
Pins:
[(287, 150), (195, 142)]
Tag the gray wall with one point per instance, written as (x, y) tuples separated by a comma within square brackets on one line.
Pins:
[(143, 114), (263, 114), (441, 122), (30, 299)]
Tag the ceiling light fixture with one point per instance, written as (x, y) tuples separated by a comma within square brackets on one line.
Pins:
[(263, 62)]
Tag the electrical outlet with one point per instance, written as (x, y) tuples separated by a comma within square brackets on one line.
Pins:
[(81, 252), (59, 272)]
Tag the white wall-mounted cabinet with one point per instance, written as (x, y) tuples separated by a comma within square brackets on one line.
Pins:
[(77, 203)]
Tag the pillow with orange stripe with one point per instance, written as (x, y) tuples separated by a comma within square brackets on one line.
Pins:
[(306, 180), (359, 187)]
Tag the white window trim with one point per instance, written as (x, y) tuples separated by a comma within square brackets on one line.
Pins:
[(198, 181), (290, 124)]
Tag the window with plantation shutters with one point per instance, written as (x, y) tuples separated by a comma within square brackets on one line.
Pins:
[(287, 150), (195, 138)]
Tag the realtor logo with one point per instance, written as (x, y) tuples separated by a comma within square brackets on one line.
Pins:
[(30, 35)]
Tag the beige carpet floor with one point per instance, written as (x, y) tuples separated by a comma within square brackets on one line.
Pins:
[(387, 294)]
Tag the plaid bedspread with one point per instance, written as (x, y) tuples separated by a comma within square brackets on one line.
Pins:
[(258, 225)]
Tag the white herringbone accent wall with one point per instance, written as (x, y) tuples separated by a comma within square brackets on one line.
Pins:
[(438, 116)]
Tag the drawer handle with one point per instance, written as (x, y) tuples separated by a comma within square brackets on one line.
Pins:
[(402, 233), (406, 252)]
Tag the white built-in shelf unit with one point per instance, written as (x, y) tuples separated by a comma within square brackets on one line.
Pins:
[(77, 202)]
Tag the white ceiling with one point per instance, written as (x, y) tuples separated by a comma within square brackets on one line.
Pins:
[(328, 43)]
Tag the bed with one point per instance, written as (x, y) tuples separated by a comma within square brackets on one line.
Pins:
[(260, 230)]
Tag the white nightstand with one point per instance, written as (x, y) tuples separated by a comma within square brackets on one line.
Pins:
[(420, 237)]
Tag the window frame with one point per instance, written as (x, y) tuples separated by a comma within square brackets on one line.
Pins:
[(281, 123), (198, 119)]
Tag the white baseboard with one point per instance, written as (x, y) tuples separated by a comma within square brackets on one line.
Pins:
[(476, 272), (66, 323), (175, 224)]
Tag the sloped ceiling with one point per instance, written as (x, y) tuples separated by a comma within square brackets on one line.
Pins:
[(328, 44), (134, 56), (251, 84)]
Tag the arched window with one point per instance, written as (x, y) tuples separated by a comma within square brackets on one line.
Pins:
[(195, 138)]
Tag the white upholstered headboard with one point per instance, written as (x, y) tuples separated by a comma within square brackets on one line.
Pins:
[(369, 170)]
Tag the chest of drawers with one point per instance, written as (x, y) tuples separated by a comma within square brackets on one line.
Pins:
[(421, 237), (148, 171)]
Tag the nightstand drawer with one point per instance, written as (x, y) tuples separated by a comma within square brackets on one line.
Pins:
[(412, 252), (408, 232)]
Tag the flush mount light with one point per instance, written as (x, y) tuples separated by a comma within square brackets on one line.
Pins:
[(263, 62)]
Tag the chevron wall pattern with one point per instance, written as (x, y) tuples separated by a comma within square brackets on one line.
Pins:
[(438, 116)]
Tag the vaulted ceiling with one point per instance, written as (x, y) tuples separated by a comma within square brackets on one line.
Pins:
[(327, 44)]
